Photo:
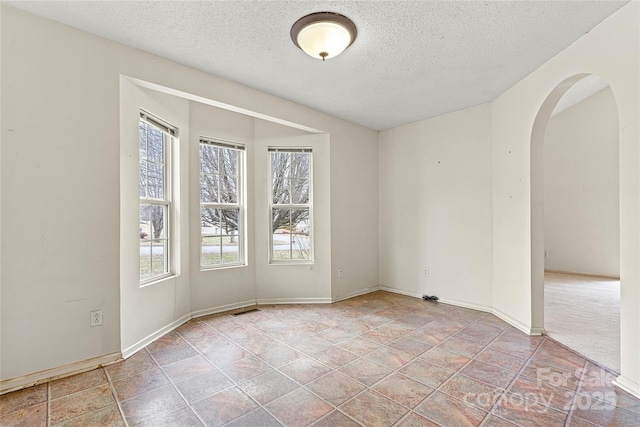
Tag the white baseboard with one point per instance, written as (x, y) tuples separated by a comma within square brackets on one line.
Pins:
[(627, 385), (318, 300), (79, 367), (456, 303), (510, 320), (129, 351), (40, 377), (576, 273), (517, 324), (222, 308), (401, 291), (465, 304), (356, 293)]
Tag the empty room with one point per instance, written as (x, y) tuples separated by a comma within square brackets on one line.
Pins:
[(270, 213)]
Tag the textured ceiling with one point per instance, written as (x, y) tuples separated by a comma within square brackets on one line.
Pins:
[(411, 60)]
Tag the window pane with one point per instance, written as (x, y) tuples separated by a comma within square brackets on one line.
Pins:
[(300, 165), (299, 191), (209, 188), (208, 159), (291, 234), (301, 247), (211, 222), (281, 239), (155, 176), (210, 251), (143, 140), (145, 259), (230, 240), (228, 189), (280, 165), (230, 220), (231, 253), (157, 218), (145, 222), (155, 145), (280, 220), (143, 179), (158, 257), (281, 194), (300, 221), (300, 236), (228, 161)]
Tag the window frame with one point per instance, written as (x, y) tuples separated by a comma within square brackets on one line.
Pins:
[(240, 204), (309, 206), (169, 133)]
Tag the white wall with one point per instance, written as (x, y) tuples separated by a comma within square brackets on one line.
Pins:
[(581, 185), (354, 212), (292, 283), (61, 155), (60, 198), (435, 207), (610, 50), (232, 286), (145, 310)]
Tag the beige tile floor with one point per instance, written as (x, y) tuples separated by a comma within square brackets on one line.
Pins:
[(377, 360)]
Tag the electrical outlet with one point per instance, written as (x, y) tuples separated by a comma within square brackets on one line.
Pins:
[(341, 272), (96, 318), (546, 254), (426, 272)]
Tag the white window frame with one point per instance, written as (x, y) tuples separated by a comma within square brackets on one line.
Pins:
[(169, 133), (308, 205), (240, 205)]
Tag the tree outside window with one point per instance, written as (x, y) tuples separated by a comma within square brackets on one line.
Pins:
[(155, 204), (221, 209), (291, 236)]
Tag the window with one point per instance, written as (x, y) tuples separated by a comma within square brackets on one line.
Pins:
[(221, 204), (156, 139), (291, 205)]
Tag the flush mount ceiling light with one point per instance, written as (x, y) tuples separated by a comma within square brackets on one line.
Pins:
[(323, 34)]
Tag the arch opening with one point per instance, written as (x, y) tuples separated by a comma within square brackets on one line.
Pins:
[(566, 239)]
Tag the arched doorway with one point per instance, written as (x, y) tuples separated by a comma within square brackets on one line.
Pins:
[(574, 333)]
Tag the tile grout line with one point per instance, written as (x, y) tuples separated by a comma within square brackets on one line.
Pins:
[(115, 397), (471, 359), (334, 370), (513, 381), (172, 383), (577, 392), (237, 384), (317, 316), (48, 403), (50, 399)]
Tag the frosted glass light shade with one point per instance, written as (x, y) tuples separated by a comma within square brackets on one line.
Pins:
[(324, 34)]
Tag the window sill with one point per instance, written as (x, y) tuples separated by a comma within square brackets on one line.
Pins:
[(293, 263), (222, 267), (162, 279)]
